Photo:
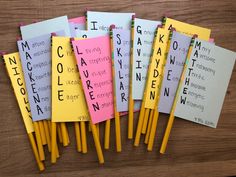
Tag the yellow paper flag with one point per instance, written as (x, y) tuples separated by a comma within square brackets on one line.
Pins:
[(15, 73), (68, 101), (188, 29), (156, 68)]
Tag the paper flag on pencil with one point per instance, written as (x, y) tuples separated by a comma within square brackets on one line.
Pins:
[(204, 83), (173, 69), (156, 68), (121, 54), (188, 29), (94, 61), (35, 56), (102, 20), (142, 47), (68, 101), (78, 23), (14, 69), (45, 27)]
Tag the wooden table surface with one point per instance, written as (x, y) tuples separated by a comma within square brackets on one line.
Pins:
[(193, 150)]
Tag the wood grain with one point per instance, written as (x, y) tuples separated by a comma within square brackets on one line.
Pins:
[(193, 150)]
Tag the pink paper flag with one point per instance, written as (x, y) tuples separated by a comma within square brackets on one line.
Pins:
[(93, 57)]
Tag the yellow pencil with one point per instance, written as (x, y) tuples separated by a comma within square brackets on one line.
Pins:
[(42, 132), (59, 133), (153, 126), (95, 131), (153, 130), (50, 133), (139, 126), (54, 142), (171, 118), (131, 101), (118, 134), (98, 131), (39, 141), (35, 151), (57, 151), (149, 126), (107, 134), (89, 127), (49, 127), (83, 137), (167, 133), (64, 132), (117, 115), (78, 138), (131, 116), (48, 139), (67, 135), (145, 121), (97, 143)]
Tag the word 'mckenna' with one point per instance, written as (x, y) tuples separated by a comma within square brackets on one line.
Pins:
[(28, 58)]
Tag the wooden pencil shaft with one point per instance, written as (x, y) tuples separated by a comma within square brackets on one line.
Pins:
[(59, 133), (89, 127), (35, 151), (131, 101), (97, 143), (98, 131), (83, 137), (39, 141), (145, 121), (167, 134), (117, 116), (139, 126), (78, 137), (153, 130), (54, 142), (42, 132), (48, 138), (49, 127), (149, 126), (118, 134), (131, 119), (64, 134), (107, 134)]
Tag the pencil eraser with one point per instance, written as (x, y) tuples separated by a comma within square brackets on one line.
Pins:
[(166, 14), (211, 40), (133, 17), (195, 36), (18, 38), (112, 26), (72, 39), (2, 53), (20, 24), (53, 34)]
